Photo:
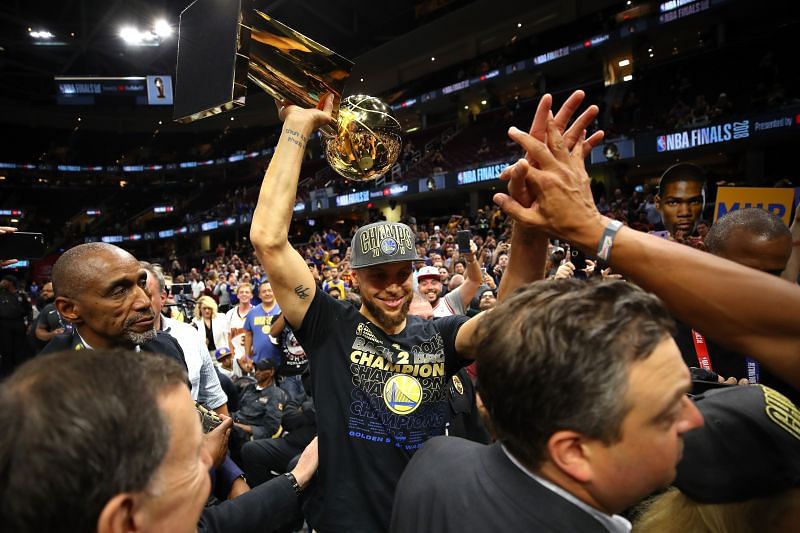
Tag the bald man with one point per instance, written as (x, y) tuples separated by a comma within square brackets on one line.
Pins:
[(102, 291), (757, 239)]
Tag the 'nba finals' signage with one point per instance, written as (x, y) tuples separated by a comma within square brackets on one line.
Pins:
[(776, 201), (693, 138), (477, 175)]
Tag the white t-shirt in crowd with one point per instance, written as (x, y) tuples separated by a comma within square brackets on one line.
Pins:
[(450, 304), (236, 327)]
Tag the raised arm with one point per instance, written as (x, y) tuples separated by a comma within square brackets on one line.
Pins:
[(742, 308), (473, 279), (287, 271), (528, 250)]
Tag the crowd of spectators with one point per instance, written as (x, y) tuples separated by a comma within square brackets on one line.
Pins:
[(578, 455)]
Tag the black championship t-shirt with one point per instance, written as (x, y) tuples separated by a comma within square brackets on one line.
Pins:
[(379, 397)]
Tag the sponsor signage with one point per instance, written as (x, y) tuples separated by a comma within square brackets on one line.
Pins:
[(613, 150), (779, 121), (696, 137), (776, 201), (678, 9), (432, 183), (477, 175), (159, 90), (352, 198), (774, 124)]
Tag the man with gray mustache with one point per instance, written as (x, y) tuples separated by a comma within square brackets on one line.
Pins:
[(102, 290)]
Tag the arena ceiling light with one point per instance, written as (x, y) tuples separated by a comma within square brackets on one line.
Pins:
[(133, 36), (40, 34), (162, 28)]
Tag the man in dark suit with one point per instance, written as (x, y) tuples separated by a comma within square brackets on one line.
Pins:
[(588, 400), (109, 441), (102, 291)]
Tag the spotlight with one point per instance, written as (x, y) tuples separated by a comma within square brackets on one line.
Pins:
[(135, 37), (162, 28), (130, 35), (624, 63), (41, 34)]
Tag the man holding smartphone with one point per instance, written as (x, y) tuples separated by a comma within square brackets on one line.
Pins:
[(457, 301)]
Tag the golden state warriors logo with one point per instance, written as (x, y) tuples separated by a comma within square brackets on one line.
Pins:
[(458, 385), (402, 394), (389, 246)]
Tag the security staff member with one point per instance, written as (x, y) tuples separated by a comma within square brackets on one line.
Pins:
[(261, 406)]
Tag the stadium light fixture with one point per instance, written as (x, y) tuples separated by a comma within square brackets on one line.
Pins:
[(133, 36), (40, 34), (162, 28), (624, 63)]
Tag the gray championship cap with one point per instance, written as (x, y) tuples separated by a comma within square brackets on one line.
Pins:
[(382, 242)]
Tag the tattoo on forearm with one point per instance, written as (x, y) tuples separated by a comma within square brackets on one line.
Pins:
[(302, 292), (295, 137)]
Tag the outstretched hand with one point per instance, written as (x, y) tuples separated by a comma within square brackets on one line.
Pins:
[(517, 188), (558, 190)]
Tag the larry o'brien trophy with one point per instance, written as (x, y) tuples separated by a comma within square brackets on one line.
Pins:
[(223, 43)]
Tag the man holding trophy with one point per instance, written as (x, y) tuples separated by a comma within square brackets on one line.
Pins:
[(379, 375)]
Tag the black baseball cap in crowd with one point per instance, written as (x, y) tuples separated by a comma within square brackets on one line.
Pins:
[(749, 446), (382, 242), (266, 364)]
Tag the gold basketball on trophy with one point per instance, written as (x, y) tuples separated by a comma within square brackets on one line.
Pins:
[(367, 141)]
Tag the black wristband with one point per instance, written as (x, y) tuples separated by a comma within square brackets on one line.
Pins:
[(293, 481)]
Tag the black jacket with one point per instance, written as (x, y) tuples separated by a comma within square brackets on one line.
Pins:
[(454, 485), (164, 344)]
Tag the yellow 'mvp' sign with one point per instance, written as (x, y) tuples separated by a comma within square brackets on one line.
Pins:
[(776, 201)]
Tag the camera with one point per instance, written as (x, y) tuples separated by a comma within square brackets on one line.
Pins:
[(208, 418)]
